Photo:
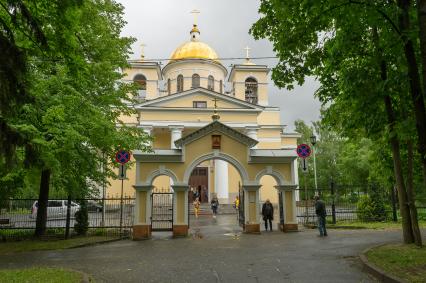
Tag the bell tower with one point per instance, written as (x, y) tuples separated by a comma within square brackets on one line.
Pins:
[(250, 81)]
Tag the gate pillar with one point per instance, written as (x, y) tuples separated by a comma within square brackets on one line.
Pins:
[(251, 208), (142, 216), (288, 203), (180, 212)]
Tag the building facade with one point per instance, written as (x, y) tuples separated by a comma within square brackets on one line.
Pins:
[(176, 104)]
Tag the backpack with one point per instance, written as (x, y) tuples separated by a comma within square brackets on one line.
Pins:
[(268, 209)]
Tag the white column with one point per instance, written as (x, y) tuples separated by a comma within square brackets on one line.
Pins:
[(295, 177), (221, 179), (175, 134), (251, 132)]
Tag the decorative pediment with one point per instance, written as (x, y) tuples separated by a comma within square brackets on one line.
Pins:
[(185, 99), (216, 126)]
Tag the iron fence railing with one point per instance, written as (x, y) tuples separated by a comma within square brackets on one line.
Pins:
[(110, 216)]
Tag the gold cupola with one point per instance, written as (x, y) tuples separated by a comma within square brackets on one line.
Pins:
[(194, 49)]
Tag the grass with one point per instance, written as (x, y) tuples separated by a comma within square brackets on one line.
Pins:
[(407, 262), (371, 225), (33, 245), (40, 274)]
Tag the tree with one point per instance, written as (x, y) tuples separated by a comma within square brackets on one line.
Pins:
[(340, 42), (73, 118)]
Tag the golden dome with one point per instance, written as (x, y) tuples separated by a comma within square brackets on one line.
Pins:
[(194, 50)]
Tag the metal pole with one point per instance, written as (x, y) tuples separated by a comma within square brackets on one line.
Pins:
[(121, 201), (306, 199), (333, 206), (315, 170), (103, 191)]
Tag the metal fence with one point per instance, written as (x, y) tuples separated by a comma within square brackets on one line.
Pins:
[(110, 216), (344, 204)]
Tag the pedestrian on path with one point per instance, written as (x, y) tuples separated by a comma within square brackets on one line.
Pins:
[(237, 203), (268, 214), (321, 214), (215, 205), (196, 204)]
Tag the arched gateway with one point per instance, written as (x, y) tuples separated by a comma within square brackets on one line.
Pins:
[(214, 141)]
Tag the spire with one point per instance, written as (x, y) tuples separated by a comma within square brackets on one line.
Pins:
[(142, 51), (195, 32), (215, 115), (248, 62)]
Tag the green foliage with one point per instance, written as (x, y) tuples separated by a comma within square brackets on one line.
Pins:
[(371, 208), (82, 219)]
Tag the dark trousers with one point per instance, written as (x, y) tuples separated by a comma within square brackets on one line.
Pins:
[(321, 226), (266, 224)]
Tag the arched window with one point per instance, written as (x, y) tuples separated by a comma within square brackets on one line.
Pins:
[(195, 80), (140, 81), (210, 83), (251, 90), (221, 86), (179, 83), (169, 86)]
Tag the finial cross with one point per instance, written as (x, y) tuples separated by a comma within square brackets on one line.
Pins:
[(142, 45), (247, 49), (215, 103), (195, 12)]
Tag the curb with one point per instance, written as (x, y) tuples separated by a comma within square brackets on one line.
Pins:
[(96, 243), (377, 272)]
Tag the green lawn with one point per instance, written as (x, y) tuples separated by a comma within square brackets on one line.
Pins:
[(32, 245), (40, 274), (371, 225), (407, 262)]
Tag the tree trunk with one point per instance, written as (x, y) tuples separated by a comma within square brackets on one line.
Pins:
[(421, 11), (410, 196), (395, 148), (414, 77), (42, 203)]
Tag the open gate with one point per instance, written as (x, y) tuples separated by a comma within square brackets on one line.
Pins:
[(162, 212), (241, 216)]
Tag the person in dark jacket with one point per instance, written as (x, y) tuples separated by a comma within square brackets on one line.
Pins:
[(215, 205), (268, 214), (321, 214)]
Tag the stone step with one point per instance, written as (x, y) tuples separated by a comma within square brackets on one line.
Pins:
[(205, 209)]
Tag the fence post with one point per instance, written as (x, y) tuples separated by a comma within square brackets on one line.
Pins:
[(394, 214), (67, 224), (333, 206)]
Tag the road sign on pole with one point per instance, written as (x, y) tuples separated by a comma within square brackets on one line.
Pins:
[(303, 150), (304, 165), (122, 172), (122, 156)]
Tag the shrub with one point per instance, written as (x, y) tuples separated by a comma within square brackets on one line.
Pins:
[(82, 219), (371, 208)]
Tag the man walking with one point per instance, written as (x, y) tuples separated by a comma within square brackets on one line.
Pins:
[(268, 214), (321, 214)]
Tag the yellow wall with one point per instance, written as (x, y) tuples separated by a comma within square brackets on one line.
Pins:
[(289, 213), (268, 190), (269, 118), (151, 77), (162, 139), (191, 116), (180, 210), (142, 201), (187, 102)]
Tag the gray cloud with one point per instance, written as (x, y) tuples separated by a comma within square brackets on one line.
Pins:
[(165, 24)]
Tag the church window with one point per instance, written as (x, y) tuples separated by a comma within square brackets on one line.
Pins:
[(221, 86), (179, 83), (199, 104), (210, 84), (169, 87), (140, 81), (195, 80), (251, 90)]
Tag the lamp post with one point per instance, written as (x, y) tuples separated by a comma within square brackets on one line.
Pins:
[(313, 142)]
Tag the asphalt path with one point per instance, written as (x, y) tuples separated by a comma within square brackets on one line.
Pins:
[(217, 251)]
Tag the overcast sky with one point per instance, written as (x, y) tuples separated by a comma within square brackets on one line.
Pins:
[(224, 24)]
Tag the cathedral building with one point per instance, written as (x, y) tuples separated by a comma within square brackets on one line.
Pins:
[(194, 96)]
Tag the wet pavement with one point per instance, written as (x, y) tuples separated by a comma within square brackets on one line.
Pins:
[(218, 251)]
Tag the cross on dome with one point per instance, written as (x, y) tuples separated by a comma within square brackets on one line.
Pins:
[(142, 45), (247, 49), (195, 13)]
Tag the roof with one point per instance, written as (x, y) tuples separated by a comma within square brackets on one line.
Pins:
[(219, 127)]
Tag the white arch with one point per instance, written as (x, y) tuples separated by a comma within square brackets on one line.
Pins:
[(214, 155), (159, 172), (279, 178)]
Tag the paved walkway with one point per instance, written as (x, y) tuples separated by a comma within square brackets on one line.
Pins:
[(218, 252)]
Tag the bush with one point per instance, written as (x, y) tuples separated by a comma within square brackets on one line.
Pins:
[(82, 219), (371, 208)]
